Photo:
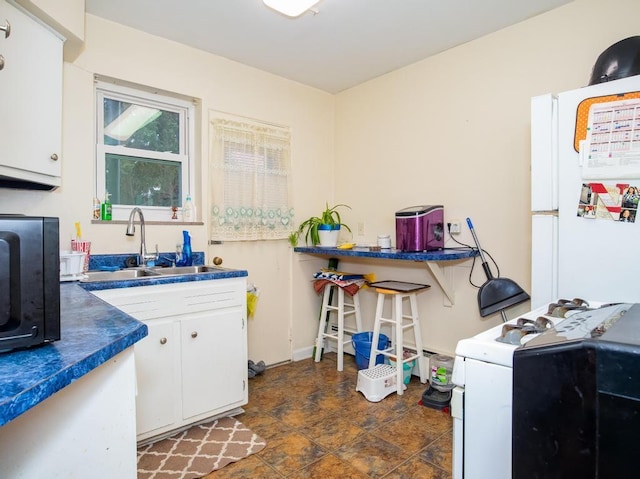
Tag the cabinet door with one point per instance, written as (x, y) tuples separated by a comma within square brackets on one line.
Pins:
[(214, 362), (157, 370), (30, 99)]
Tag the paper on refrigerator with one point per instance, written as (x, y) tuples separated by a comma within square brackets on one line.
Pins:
[(612, 146)]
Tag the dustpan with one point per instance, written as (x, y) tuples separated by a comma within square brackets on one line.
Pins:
[(496, 294)]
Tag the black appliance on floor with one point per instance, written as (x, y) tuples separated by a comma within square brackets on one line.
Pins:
[(576, 398)]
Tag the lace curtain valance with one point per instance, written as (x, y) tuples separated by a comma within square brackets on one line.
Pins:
[(250, 181)]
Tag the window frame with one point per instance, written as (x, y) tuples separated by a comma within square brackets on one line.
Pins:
[(148, 97)]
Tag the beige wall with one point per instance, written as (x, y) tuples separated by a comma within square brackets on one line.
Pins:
[(65, 16), (452, 129), (218, 84)]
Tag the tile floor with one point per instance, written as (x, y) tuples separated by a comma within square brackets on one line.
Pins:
[(317, 426)]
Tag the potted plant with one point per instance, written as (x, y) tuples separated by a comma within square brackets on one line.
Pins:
[(321, 230)]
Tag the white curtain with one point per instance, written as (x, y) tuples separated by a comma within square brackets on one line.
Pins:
[(250, 181)]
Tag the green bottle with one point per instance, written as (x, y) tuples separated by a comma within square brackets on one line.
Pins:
[(106, 208)]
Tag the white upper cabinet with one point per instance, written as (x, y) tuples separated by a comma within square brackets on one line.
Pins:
[(30, 101)]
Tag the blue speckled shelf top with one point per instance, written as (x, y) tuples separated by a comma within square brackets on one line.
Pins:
[(447, 254), (92, 332)]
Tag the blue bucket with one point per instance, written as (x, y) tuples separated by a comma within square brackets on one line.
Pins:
[(362, 345)]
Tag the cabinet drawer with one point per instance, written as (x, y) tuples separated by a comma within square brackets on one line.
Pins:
[(164, 300)]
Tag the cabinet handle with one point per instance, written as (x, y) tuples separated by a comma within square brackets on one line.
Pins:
[(54, 157), (163, 340), (1, 62), (194, 334), (6, 29)]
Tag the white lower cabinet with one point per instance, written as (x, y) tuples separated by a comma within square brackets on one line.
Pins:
[(158, 377), (193, 363)]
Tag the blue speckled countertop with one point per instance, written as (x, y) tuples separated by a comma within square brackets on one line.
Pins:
[(150, 280), (92, 332), (447, 254)]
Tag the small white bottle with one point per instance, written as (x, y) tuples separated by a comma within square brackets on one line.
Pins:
[(188, 211), (96, 209), (384, 241)]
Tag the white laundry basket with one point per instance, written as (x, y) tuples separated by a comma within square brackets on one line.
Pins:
[(377, 382)]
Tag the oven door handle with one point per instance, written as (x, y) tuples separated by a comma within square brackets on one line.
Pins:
[(457, 413), (457, 403)]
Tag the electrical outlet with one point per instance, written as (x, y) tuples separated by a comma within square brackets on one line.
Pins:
[(360, 228), (456, 227)]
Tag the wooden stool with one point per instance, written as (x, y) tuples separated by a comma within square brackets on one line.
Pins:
[(397, 291), (342, 309)]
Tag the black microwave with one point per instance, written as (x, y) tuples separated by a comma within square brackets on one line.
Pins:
[(29, 281)]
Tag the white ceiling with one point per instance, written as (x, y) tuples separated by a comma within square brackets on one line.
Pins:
[(345, 43)]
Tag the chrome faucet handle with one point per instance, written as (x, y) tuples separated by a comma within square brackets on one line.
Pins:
[(151, 256)]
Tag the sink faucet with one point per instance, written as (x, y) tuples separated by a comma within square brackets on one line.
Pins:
[(144, 257)]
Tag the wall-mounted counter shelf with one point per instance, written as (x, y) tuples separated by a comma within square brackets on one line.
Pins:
[(432, 259)]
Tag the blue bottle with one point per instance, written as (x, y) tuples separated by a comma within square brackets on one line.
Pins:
[(186, 259)]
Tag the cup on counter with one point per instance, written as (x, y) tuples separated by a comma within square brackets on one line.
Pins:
[(84, 247), (384, 241)]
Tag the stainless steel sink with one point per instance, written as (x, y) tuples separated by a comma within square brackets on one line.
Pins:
[(137, 273), (132, 273), (188, 270)]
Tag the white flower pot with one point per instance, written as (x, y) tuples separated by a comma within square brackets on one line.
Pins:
[(328, 235)]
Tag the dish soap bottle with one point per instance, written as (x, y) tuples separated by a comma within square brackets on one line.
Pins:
[(186, 259), (106, 208), (188, 211)]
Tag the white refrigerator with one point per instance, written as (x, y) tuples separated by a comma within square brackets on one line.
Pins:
[(584, 244)]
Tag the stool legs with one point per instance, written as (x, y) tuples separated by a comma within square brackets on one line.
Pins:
[(398, 318), (341, 310), (422, 370), (398, 327), (376, 331), (322, 324)]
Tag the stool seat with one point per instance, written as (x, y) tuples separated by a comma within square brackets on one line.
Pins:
[(332, 320), (400, 322)]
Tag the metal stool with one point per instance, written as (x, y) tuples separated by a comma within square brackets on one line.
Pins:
[(397, 291), (342, 309)]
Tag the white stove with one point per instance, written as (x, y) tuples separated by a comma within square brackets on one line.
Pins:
[(481, 403)]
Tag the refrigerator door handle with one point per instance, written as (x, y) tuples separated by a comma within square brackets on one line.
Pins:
[(544, 258), (544, 153)]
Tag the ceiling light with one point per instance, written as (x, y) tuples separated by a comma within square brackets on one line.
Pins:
[(291, 8)]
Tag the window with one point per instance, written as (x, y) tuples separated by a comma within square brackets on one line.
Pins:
[(143, 151), (250, 182)]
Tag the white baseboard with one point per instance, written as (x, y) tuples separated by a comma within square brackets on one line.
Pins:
[(304, 353)]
